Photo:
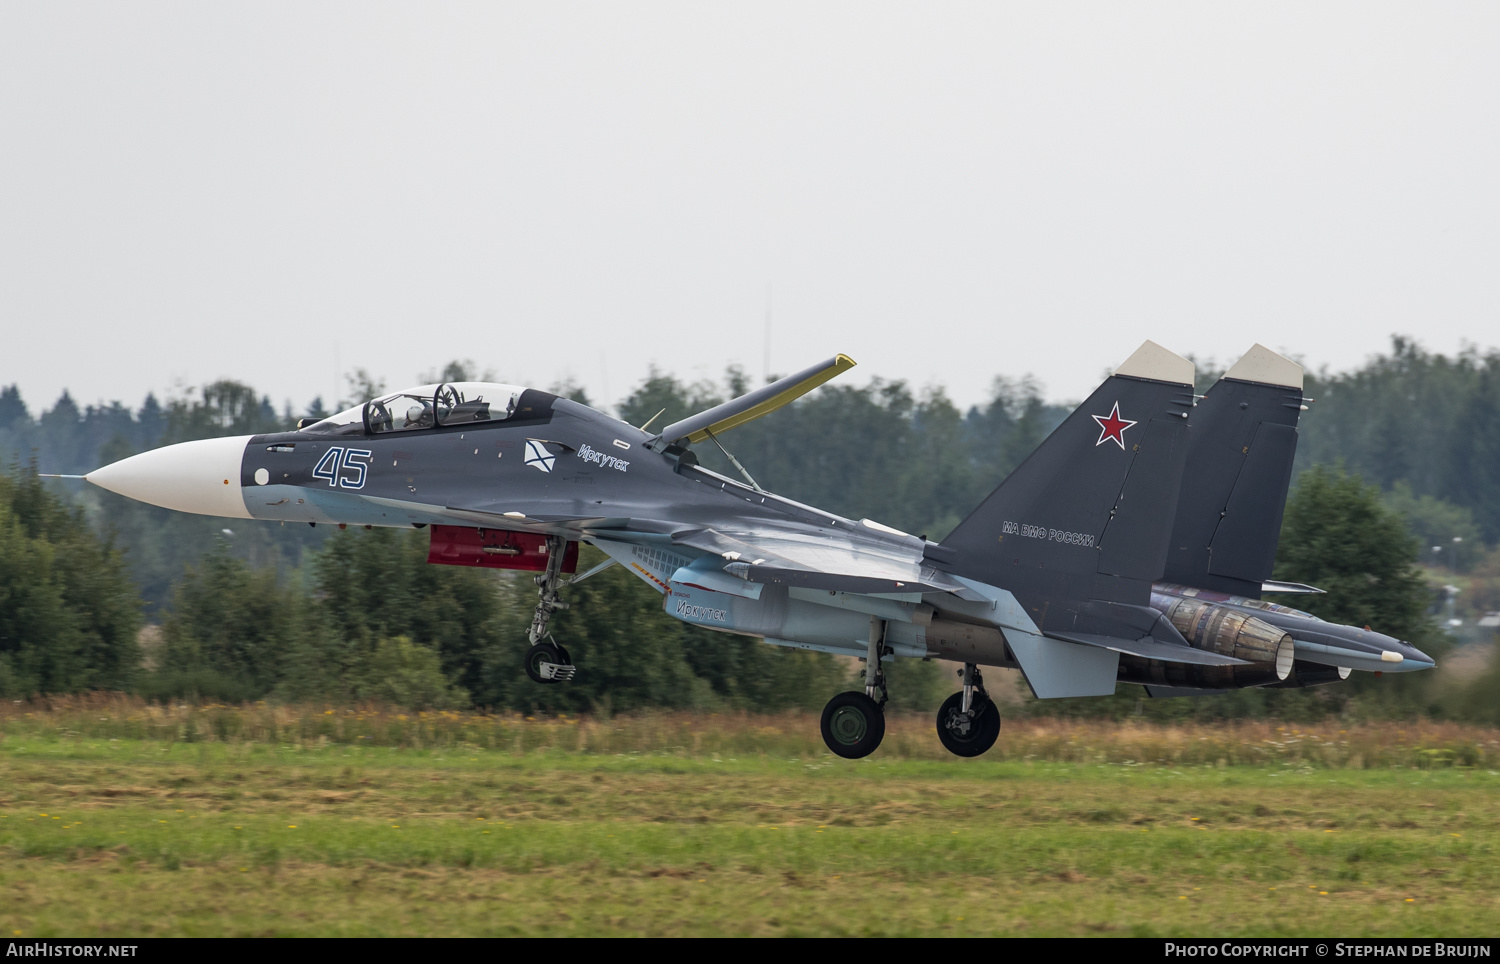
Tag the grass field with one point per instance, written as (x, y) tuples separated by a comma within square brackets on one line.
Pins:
[(749, 828)]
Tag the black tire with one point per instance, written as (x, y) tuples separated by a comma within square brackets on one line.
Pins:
[(543, 652), (968, 737), (853, 725)]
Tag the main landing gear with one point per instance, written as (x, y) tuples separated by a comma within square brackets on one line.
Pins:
[(546, 660), (854, 722), (969, 721)]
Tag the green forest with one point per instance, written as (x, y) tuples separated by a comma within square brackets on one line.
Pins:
[(1396, 504)]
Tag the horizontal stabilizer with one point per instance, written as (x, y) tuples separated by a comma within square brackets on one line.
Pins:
[(750, 406), (1150, 649), (1275, 585)]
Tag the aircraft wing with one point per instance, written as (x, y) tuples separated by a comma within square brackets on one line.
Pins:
[(751, 405), (821, 560)]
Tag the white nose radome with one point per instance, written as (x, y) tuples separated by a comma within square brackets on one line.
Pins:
[(201, 477)]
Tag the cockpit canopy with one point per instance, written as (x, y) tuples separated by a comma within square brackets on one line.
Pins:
[(426, 406)]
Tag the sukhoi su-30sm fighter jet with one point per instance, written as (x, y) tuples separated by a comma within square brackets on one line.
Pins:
[(1051, 574)]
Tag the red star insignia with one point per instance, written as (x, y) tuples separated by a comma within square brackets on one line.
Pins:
[(1112, 427)]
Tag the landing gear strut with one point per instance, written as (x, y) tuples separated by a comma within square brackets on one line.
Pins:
[(969, 722), (854, 722), (546, 660)]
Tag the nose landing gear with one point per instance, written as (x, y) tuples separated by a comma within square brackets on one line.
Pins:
[(546, 661)]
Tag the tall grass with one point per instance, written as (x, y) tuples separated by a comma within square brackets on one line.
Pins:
[(104, 716)]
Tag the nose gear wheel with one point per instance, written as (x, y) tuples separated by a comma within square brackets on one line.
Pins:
[(547, 662)]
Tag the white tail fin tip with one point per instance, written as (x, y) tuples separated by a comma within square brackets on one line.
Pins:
[(1261, 364), (1158, 364)]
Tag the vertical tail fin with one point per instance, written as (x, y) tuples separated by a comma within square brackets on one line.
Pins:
[(1239, 466), (1088, 514)]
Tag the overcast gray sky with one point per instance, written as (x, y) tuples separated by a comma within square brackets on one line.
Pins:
[(946, 192)]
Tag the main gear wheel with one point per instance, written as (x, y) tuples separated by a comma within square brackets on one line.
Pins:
[(971, 733), (853, 725)]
